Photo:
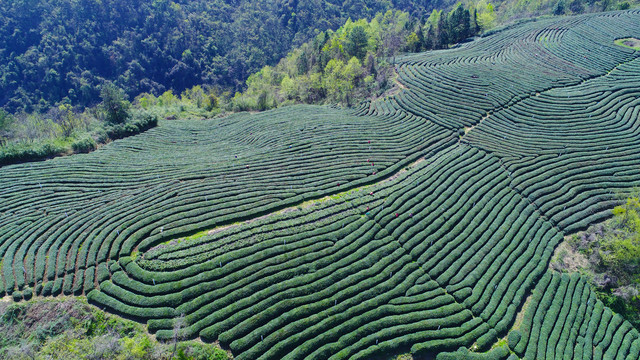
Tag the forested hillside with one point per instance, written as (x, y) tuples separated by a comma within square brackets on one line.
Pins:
[(356, 61), (343, 66), (64, 50), (54, 52)]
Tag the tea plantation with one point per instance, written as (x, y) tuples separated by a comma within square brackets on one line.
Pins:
[(419, 222)]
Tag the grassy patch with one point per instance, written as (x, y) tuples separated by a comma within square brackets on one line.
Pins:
[(500, 343), (631, 43), (520, 314)]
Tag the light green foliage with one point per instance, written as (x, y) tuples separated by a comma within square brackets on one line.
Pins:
[(197, 101), (167, 98), (69, 328), (84, 145), (196, 95), (68, 120), (620, 250), (340, 79), (486, 15), (5, 119), (612, 258), (631, 43), (5, 122), (341, 66)]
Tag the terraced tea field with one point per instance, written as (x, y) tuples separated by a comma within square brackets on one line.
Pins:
[(419, 222)]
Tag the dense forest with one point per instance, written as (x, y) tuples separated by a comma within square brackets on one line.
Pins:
[(62, 51), (55, 115), (54, 52)]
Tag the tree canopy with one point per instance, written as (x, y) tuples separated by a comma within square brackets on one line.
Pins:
[(64, 50)]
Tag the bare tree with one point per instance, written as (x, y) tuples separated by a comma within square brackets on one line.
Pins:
[(179, 324)]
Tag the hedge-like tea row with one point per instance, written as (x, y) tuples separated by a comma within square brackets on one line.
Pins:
[(566, 320), (331, 276), (571, 151), (314, 282), (70, 214), (457, 88)]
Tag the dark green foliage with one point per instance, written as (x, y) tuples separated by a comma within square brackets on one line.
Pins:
[(13, 154), (514, 338), (27, 294), (559, 8), (138, 124), (628, 308), (5, 121), (498, 353), (444, 29), (12, 314), (576, 6), (84, 145), (459, 24), (66, 50), (115, 106), (569, 309), (357, 43), (263, 101)]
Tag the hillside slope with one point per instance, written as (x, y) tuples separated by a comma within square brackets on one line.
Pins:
[(63, 51), (418, 222)]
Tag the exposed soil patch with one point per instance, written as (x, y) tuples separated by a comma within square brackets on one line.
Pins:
[(565, 258), (221, 228), (469, 128), (520, 314), (396, 175), (632, 43)]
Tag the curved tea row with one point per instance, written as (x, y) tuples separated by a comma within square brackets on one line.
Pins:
[(571, 151), (63, 219), (456, 88), (392, 266), (566, 319)]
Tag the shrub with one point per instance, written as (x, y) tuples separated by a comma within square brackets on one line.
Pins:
[(140, 122), (84, 145)]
